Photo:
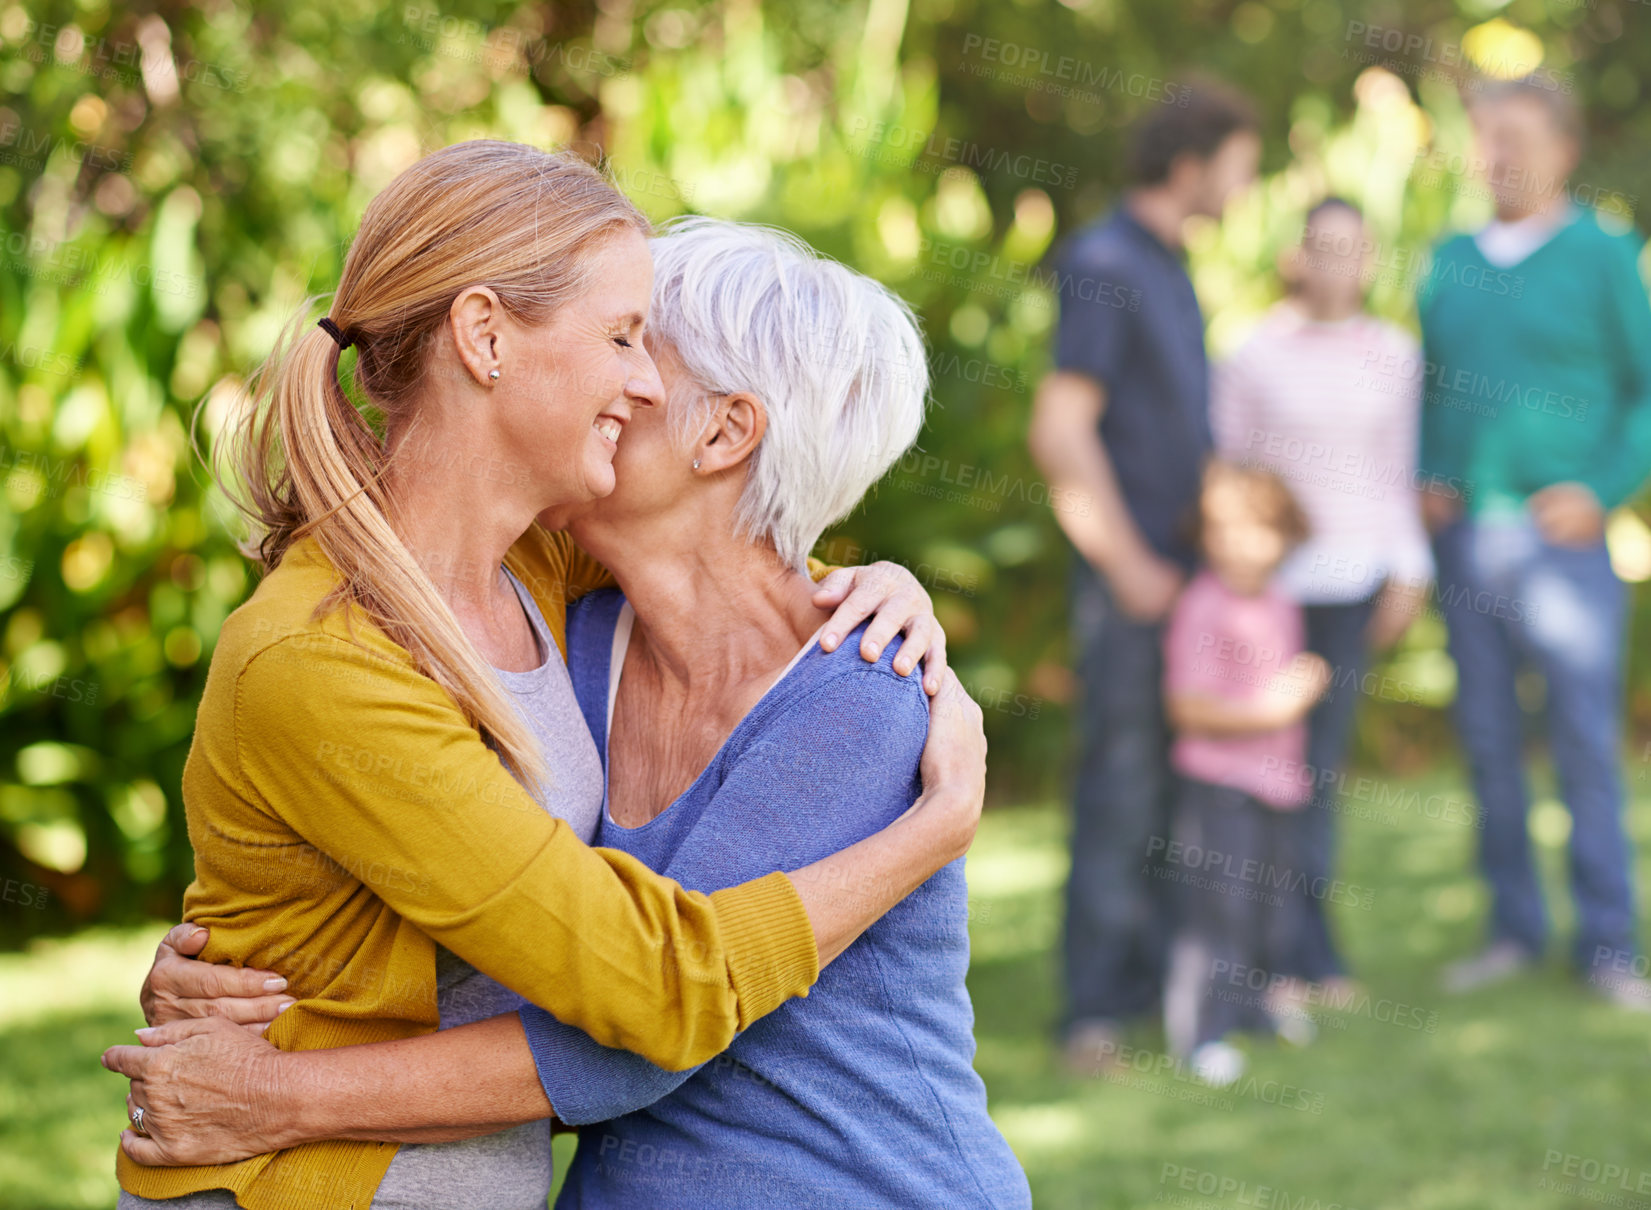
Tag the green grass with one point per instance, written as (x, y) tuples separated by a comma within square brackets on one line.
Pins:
[(1466, 1115), (1469, 1113)]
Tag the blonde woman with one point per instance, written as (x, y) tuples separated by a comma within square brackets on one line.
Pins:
[(390, 785)]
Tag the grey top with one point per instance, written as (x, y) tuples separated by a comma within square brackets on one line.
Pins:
[(510, 1169)]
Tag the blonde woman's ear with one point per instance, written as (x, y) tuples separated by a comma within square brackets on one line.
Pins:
[(472, 322)]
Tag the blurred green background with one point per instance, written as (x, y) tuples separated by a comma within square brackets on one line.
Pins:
[(175, 178)]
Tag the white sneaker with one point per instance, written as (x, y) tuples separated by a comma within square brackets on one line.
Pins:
[(1294, 1027), (1625, 991), (1217, 1064), (1498, 961)]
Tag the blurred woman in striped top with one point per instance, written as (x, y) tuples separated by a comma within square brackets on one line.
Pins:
[(1327, 396)]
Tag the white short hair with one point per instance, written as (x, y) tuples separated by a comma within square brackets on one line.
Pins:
[(836, 359)]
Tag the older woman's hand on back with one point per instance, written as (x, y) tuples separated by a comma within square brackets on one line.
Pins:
[(179, 987), (954, 762), (897, 604)]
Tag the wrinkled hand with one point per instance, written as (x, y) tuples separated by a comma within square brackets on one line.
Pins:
[(897, 604), (180, 987), (1568, 514), (1145, 586), (209, 1090)]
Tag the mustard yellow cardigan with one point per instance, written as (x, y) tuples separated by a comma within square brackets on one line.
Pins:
[(346, 818)]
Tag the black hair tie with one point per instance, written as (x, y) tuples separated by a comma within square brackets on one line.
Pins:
[(326, 324)]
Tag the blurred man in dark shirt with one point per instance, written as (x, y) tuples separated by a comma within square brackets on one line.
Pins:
[(1121, 430)]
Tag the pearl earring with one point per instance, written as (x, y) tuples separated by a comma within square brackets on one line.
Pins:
[(696, 464), (493, 374)]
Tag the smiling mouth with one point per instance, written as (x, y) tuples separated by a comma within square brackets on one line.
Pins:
[(608, 427)]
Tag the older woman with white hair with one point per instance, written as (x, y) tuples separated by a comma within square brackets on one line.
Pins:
[(792, 385)]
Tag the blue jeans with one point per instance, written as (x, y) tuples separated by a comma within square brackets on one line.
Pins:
[(1510, 598), (1336, 632), (1117, 914)]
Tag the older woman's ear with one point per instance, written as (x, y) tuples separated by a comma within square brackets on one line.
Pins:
[(734, 432)]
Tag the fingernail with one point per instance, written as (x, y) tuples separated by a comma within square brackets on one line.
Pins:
[(275, 984), (902, 667), (199, 932), (145, 1031), (828, 640), (285, 1004), (874, 649)]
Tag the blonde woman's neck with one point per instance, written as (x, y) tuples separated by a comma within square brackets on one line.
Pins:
[(456, 518)]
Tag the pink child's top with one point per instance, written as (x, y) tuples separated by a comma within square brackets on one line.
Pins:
[(1223, 645)]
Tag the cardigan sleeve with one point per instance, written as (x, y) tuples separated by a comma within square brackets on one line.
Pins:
[(371, 763)]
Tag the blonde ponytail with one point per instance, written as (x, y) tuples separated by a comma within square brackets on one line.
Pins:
[(308, 464)]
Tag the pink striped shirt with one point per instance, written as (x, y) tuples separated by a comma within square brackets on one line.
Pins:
[(1332, 408)]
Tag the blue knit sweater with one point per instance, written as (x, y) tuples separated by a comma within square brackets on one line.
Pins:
[(864, 1093)]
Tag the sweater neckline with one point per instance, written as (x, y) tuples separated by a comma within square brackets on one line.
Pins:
[(1559, 233), (624, 625)]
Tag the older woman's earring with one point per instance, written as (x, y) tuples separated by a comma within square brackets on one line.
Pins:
[(696, 464), (493, 374)]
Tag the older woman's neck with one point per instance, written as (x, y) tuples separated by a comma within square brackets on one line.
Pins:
[(714, 609)]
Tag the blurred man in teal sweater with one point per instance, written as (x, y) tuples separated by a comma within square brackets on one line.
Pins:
[(1537, 340)]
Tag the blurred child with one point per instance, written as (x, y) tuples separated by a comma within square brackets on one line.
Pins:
[(1238, 683)]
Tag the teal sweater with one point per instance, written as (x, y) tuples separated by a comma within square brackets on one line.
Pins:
[(1539, 373)]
